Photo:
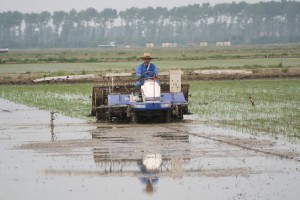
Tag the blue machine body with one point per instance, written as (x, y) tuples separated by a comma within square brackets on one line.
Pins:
[(166, 102)]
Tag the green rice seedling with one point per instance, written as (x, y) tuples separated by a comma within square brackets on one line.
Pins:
[(275, 109), (285, 70), (7, 77), (256, 106), (69, 99)]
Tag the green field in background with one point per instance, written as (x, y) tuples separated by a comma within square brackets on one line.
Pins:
[(162, 65), (121, 59)]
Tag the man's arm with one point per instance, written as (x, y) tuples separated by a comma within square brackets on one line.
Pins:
[(155, 70), (139, 71)]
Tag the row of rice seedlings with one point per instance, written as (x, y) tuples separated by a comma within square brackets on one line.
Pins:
[(70, 100), (275, 109)]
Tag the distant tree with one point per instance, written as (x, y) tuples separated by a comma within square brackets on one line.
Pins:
[(31, 30), (58, 18), (293, 20), (68, 34), (161, 33), (205, 13), (10, 28), (129, 18), (106, 20), (263, 22), (42, 24)]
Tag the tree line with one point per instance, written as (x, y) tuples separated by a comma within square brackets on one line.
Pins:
[(238, 23)]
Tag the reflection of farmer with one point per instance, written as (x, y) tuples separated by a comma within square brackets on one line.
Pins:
[(149, 168), (149, 181), (145, 70)]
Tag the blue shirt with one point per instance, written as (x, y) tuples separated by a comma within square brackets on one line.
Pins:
[(142, 69)]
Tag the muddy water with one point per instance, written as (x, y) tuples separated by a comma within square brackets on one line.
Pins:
[(77, 160)]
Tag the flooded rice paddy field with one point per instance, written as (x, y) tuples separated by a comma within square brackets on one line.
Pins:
[(78, 160), (267, 106)]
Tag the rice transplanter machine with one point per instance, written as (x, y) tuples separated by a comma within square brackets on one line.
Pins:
[(121, 102)]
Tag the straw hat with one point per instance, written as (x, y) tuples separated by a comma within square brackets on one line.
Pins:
[(146, 55)]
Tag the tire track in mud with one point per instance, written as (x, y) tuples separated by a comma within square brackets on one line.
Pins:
[(242, 143)]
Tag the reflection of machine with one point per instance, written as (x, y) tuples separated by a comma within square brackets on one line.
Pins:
[(147, 156), (149, 167), (163, 102), (152, 162), (120, 150)]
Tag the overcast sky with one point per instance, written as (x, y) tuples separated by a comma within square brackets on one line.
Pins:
[(26, 6)]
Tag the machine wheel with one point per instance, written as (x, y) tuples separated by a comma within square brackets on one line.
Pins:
[(134, 117), (93, 112), (167, 116), (109, 116)]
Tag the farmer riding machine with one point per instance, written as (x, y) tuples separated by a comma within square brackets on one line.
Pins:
[(118, 100)]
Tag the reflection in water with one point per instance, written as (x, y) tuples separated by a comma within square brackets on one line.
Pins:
[(149, 167), (52, 133), (176, 166), (52, 118), (152, 162), (147, 155)]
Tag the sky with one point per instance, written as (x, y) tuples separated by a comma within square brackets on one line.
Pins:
[(27, 6)]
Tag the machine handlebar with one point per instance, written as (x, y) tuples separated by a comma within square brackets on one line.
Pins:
[(148, 78)]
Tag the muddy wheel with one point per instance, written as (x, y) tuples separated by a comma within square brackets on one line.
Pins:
[(93, 112), (167, 116), (109, 116), (134, 118), (108, 119)]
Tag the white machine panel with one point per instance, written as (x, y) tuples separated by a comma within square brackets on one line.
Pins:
[(151, 90), (175, 80)]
